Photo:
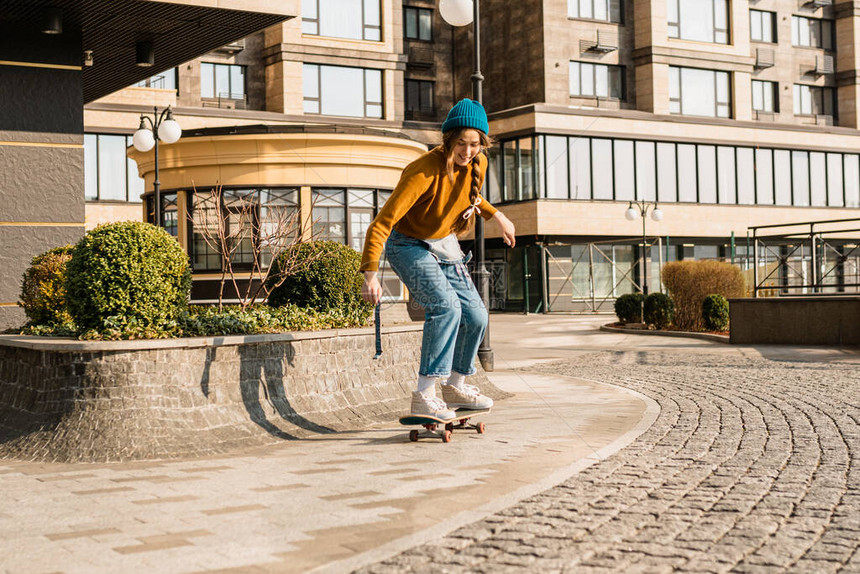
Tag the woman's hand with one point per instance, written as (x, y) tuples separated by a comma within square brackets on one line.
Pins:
[(371, 291), (509, 233)]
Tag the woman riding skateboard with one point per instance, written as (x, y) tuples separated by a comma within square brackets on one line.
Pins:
[(436, 200)]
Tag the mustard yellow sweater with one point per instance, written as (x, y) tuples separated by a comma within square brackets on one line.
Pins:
[(424, 204)]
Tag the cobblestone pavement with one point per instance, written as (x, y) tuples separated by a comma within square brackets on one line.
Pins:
[(753, 465)]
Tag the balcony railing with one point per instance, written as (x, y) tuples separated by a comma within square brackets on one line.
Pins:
[(227, 101)]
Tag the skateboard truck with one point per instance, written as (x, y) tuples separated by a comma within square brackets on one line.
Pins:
[(433, 431)]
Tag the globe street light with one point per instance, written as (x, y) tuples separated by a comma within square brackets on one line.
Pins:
[(462, 13), (162, 127), (640, 209)]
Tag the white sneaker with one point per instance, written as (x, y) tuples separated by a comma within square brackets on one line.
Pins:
[(469, 397), (423, 405)]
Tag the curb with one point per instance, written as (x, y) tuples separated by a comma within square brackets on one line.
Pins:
[(724, 339)]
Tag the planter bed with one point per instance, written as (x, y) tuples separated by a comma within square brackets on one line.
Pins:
[(65, 400)]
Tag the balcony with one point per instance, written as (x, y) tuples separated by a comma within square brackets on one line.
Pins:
[(227, 101)]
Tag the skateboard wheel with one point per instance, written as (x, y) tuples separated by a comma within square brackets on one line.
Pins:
[(446, 436), (481, 428), (413, 435)]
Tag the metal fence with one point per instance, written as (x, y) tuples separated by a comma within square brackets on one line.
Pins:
[(813, 257)]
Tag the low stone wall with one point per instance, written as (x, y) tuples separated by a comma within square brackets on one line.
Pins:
[(68, 400), (822, 320)]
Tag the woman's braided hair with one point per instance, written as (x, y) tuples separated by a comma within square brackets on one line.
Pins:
[(449, 140)]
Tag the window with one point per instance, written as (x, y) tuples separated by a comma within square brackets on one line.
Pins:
[(226, 81), (700, 20), (163, 81), (596, 80), (813, 101), (762, 26), (350, 19), (695, 92), (343, 215), (418, 23), (109, 174), (267, 208), (419, 98), (585, 168), (342, 91), (606, 10), (765, 96), (812, 32)]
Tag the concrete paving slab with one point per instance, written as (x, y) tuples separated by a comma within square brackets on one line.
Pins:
[(332, 503)]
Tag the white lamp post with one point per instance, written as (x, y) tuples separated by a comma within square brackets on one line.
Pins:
[(640, 209), (162, 127)]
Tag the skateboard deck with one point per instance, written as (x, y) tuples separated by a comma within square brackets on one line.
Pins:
[(433, 424)]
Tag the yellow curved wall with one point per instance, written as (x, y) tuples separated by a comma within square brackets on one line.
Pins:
[(300, 159)]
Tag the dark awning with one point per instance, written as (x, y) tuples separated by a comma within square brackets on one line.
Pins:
[(179, 31)]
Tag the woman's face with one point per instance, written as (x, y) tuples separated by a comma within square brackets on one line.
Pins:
[(467, 147)]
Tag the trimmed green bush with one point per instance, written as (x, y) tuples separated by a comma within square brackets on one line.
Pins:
[(127, 276), (715, 312), (43, 289), (327, 279), (200, 320), (659, 310), (689, 282), (628, 308)]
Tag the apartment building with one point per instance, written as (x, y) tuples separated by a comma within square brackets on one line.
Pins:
[(726, 114)]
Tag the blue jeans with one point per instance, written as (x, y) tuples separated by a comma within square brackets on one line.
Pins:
[(454, 315)]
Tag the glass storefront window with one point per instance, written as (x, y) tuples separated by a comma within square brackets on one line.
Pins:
[(601, 168), (579, 153), (582, 168), (555, 152), (667, 189)]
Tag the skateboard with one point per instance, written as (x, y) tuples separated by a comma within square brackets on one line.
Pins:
[(440, 428)]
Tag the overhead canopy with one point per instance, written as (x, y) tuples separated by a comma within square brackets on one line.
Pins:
[(179, 31)]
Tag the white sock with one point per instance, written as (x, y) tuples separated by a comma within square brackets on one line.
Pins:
[(456, 380), (427, 385)]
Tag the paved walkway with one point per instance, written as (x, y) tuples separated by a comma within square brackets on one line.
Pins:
[(336, 501), (742, 459), (753, 465)]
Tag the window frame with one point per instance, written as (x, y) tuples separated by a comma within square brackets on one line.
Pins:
[(365, 27), (822, 91), (610, 69), (717, 103), (420, 111), (418, 12), (714, 31), (796, 32), (256, 214), (774, 88), (366, 103), (773, 27), (127, 170), (231, 93), (576, 14)]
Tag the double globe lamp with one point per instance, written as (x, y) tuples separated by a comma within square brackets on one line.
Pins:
[(162, 127)]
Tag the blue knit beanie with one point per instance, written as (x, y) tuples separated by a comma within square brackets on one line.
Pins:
[(467, 114)]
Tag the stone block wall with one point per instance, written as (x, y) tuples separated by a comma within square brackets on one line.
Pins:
[(822, 320), (70, 400)]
